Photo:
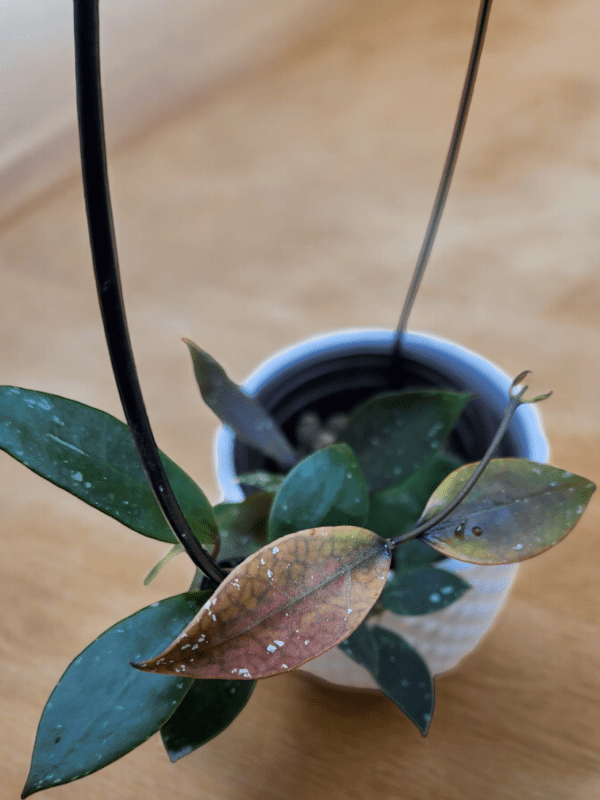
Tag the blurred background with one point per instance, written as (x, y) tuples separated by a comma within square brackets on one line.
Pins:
[(273, 167)]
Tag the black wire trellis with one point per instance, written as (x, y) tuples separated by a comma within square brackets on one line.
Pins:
[(106, 269)]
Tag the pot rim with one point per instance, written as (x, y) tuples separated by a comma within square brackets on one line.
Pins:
[(485, 377)]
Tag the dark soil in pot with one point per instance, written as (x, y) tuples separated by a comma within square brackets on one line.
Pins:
[(332, 384)]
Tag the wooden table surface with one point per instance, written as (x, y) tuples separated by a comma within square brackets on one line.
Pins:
[(292, 201)]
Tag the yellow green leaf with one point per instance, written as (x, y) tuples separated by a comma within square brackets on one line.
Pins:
[(517, 509)]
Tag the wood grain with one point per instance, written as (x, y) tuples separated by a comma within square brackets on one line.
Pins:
[(289, 203)]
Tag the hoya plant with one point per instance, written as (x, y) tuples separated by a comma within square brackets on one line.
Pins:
[(342, 529), (306, 562)]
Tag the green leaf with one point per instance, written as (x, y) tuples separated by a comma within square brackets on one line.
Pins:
[(326, 488), (395, 510), (395, 433), (206, 710), (243, 526), (283, 606), (267, 481), (392, 512), (413, 554), (400, 672), (174, 551), (403, 676), (517, 509), (243, 414), (91, 455), (361, 647), (102, 708), (421, 484), (421, 591)]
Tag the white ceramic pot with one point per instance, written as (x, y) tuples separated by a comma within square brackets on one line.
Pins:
[(348, 366)]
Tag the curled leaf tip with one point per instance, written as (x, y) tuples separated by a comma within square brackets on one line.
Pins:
[(539, 398), (519, 379), (519, 395)]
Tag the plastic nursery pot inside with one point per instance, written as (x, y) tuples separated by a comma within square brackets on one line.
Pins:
[(336, 372)]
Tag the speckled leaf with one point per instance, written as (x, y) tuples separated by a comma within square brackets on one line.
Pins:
[(101, 707), (403, 676), (243, 414), (267, 481), (283, 606), (392, 511), (517, 509), (420, 485), (421, 591), (243, 526), (206, 710), (395, 433), (326, 488), (91, 455), (361, 647), (395, 510)]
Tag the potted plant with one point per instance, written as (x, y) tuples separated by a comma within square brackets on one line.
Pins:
[(336, 372), (345, 520)]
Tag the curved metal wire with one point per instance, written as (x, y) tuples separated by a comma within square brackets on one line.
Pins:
[(448, 171)]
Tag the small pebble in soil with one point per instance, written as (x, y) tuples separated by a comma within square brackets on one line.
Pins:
[(313, 435), (336, 423), (308, 428)]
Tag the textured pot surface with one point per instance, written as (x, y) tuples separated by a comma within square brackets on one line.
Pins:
[(335, 372)]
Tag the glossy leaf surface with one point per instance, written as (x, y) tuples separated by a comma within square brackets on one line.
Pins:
[(326, 488), (101, 707), (395, 510), (421, 484), (392, 512), (517, 509), (243, 526), (414, 554), (283, 606), (395, 433), (400, 672), (91, 455), (267, 481), (421, 591), (403, 676), (206, 710), (242, 413), (362, 648)]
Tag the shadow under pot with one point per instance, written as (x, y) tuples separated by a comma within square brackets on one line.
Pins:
[(333, 374)]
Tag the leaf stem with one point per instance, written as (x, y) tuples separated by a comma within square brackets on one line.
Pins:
[(509, 412), (448, 171), (106, 270)]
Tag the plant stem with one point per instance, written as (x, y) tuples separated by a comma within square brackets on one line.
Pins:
[(106, 270), (446, 179), (509, 412)]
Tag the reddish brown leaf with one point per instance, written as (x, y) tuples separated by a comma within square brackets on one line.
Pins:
[(284, 605)]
